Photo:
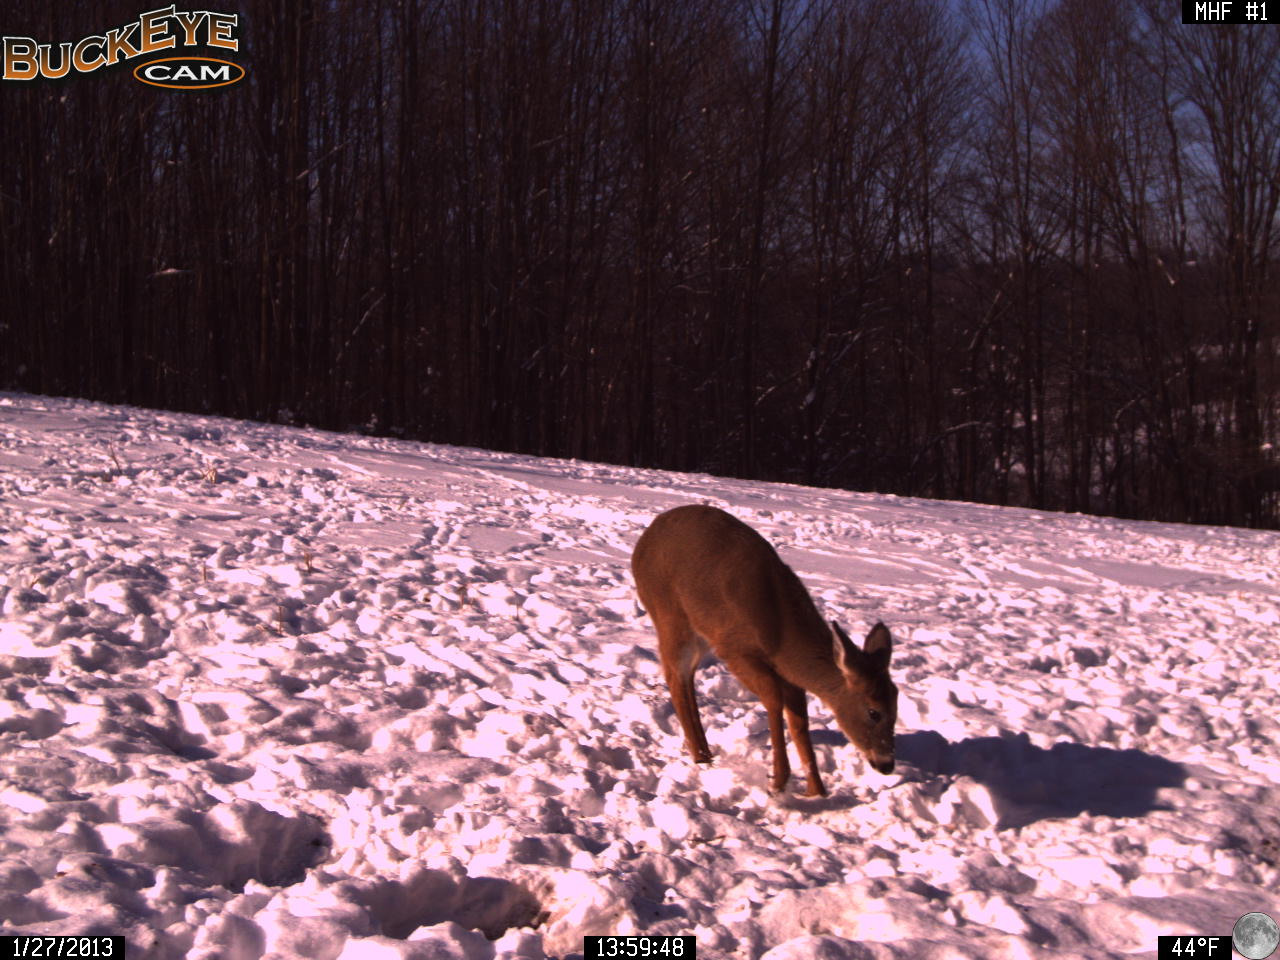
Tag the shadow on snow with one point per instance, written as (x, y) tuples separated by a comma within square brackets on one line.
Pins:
[(1029, 783)]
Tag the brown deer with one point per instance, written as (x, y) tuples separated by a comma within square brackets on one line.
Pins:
[(709, 580)]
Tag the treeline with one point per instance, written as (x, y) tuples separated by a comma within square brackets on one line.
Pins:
[(1013, 252)]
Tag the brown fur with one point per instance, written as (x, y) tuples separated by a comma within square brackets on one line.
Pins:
[(709, 580)]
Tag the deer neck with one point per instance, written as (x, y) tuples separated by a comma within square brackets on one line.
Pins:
[(805, 658)]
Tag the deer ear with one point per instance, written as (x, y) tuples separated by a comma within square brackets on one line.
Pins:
[(843, 650), (879, 647)]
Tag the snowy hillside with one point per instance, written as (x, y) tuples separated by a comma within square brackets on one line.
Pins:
[(285, 693)]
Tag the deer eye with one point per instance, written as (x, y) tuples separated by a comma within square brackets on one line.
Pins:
[(874, 715)]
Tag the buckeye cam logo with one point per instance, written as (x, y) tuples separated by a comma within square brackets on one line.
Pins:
[(153, 32)]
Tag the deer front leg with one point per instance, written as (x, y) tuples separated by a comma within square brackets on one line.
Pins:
[(781, 765), (797, 709), (761, 680)]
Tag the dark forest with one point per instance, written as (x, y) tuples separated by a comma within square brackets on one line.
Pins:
[(1011, 252)]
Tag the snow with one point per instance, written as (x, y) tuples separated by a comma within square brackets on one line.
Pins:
[(271, 692)]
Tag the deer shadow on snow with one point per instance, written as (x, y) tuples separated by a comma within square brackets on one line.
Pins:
[(1029, 783)]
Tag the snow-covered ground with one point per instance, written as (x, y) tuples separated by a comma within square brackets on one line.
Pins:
[(286, 693)]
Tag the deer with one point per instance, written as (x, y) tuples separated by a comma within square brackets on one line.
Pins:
[(710, 582)]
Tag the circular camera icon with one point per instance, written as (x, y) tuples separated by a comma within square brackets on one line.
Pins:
[(1255, 936)]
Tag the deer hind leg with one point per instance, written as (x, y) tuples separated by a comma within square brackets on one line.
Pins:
[(797, 711), (764, 682), (681, 651)]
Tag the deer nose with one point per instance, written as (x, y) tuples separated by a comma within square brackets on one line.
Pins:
[(883, 766)]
